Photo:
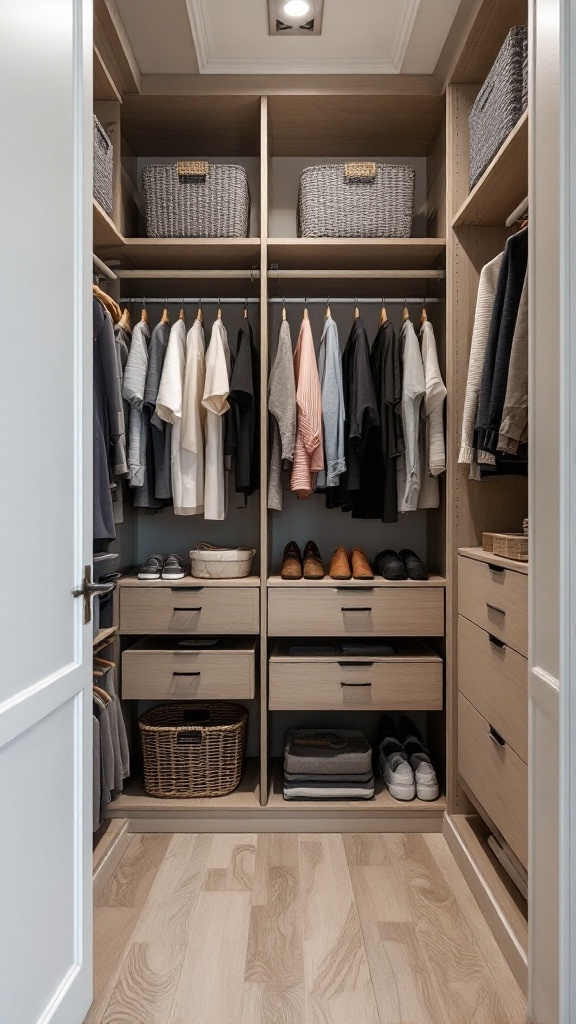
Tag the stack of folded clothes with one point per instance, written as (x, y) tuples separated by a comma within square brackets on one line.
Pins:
[(327, 764)]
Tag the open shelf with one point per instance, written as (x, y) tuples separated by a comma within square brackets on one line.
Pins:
[(106, 233), (492, 559), (180, 253), (503, 185), (189, 581), (357, 253), (492, 22), (379, 582), (103, 83)]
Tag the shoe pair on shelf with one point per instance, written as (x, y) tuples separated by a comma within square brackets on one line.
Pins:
[(166, 567), (400, 565), (309, 565), (404, 762)]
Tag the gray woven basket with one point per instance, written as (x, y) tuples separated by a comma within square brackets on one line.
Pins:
[(193, 749), (193, 199), (500, 102), (103, 162), (356, 201)]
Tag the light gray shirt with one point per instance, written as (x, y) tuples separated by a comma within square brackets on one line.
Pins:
[(333, 415), (413, 390), (133, 392), (282, 407)]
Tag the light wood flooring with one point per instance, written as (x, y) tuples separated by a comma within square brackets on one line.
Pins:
[(295, 929)]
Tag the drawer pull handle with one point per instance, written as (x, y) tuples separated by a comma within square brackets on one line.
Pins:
[(496, 568), (342, 683), (188, 675), (364, 590), (495, 642), (367, 609), (188, 609), (493, 608), (356, 664), (186, 590), (496, 737)]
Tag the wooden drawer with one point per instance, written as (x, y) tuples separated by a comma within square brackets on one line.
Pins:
[(496, 599), (189, 609), (494, 678), (363, 611), (151, 672), (409, 681), (497, 777)]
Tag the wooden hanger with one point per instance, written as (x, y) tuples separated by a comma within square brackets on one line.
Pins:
[(108, 302), (305, 314), (405, 313), (383, 314), (126, 320), (200, 313), (328, 310), (144, 315), (356, 310), (104, 697), (246, 310), (424, 315), (219, 313), (182, 314), (284, 308), (165, 318), (104, 661)]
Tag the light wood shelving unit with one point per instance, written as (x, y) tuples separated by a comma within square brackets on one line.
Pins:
[(503, 185)]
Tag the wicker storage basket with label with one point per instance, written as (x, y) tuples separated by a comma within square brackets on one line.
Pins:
[(357, 200), (194, 199), (193, 749)]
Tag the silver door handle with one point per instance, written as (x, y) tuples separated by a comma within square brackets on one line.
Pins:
[(89, 589)]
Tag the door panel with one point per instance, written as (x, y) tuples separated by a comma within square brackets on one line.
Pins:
[(45, 514)]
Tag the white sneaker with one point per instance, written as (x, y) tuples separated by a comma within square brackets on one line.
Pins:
[(399, 777), (425, 777)]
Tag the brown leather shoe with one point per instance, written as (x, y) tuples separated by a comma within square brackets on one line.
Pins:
[(360, 566), (313, 567), (291, 562), (340, 566)]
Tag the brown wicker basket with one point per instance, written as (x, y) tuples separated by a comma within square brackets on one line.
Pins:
[(193, 749)]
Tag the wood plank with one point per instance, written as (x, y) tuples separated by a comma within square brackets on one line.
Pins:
[(103, 83), (265, 519), (131, 883), (503, 185), (487, 556), (187, 581), (356, 253), (338, 984), (377, 583), (105, 232), (487, 33), (113, 930), (463, 985), (212, 978), (352, 126), (230, 865), (203, 126), (404, 989)]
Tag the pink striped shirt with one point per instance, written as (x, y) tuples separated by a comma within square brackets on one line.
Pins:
[(309, 450)]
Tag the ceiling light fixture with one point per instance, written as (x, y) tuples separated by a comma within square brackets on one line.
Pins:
[(296, 8)]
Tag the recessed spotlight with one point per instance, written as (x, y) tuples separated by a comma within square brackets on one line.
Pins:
[(296, 8)]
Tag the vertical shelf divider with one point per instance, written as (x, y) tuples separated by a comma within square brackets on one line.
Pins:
[(264, 529)]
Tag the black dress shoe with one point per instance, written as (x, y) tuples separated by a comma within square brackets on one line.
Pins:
[(389, 565), (415, 567)]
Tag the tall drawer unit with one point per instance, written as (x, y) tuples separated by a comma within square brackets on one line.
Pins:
[(496, 776), (327, 609), (493, 593), (187, 607), (166, 669), (411, 679)]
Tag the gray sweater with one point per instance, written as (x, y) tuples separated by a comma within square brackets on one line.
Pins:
[(282, 407), (333, 416)]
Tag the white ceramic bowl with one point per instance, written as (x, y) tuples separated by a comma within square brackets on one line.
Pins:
[(207, 563)]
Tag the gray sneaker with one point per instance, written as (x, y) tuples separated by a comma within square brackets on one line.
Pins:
[(152, 568), (426, 782), (173, 568), (398, 776)]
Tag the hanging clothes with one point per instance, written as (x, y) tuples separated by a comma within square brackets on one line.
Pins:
[(413, 391), (122, 338), (215, 401), (179, 404), (133, 391), (361, 412), (308, 449), (156, 491), (242, 440), (432, 443), (107, 422), (282, 408), (514, 426), (484, 306), (502, 327), (378, 494), (333, 411)]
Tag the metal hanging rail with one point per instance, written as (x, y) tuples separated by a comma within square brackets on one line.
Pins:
[(195, 301), (356, 301), (103, 270)]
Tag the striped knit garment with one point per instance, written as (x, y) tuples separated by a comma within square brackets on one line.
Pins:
[(309, 450)]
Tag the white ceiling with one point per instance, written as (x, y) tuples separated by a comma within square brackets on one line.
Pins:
[(231, 37)]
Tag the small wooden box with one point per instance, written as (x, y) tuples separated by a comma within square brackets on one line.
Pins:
[(511, 545)]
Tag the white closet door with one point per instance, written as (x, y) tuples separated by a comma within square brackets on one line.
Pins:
[(45, 510)]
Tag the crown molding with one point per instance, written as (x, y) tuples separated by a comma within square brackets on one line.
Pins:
[(210, 65)]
